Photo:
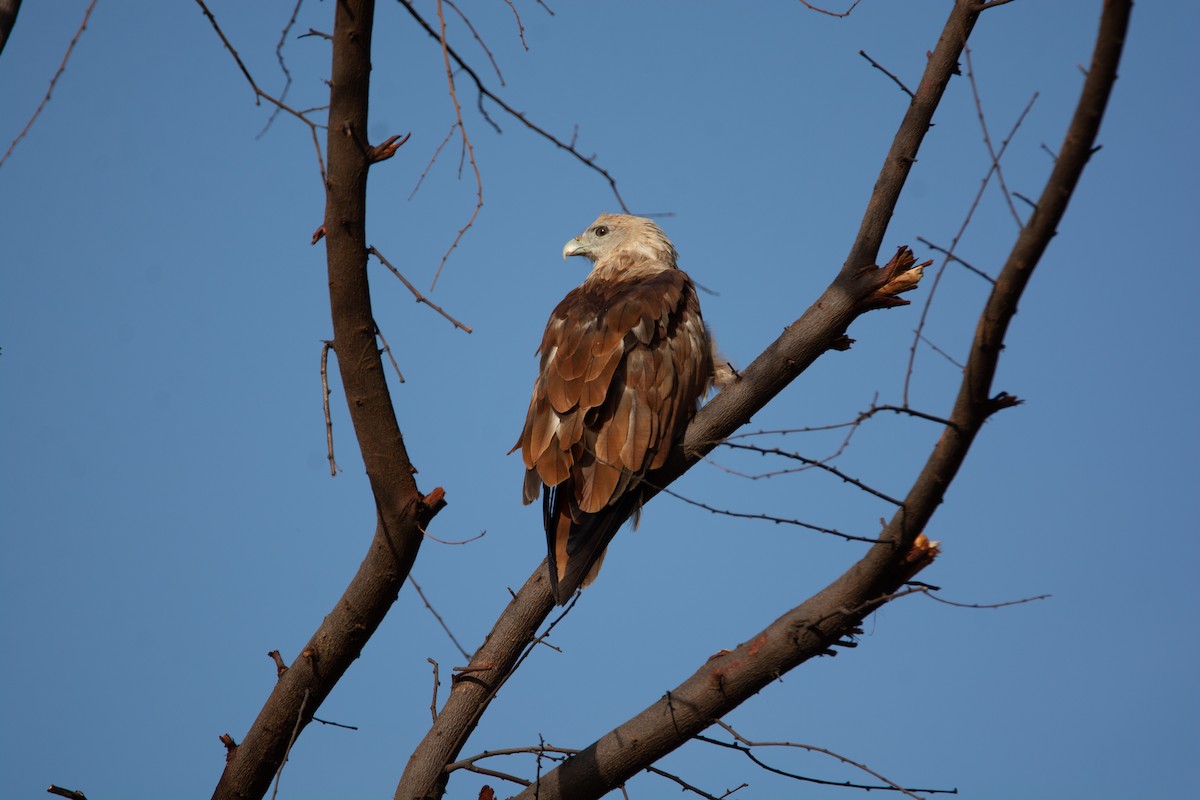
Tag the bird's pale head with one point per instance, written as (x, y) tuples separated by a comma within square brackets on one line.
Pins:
[(614, 235)]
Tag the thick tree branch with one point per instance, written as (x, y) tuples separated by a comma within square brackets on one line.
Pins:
[(8, 18), (854, 291), (401, 509), (808, 630)]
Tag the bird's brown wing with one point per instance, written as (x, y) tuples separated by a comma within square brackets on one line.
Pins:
[(623, 363)]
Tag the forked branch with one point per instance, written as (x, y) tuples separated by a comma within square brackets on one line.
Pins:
[(809, 629), (401, 510), (813, 627)]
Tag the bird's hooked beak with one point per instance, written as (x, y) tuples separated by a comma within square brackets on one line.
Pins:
[(575, 247)]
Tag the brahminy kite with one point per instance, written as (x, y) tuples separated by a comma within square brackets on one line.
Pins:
[(625, 360)]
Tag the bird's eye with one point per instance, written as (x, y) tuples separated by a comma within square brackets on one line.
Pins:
[(600, 230)]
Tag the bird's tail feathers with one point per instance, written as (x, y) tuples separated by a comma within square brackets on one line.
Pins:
[(577, 540)]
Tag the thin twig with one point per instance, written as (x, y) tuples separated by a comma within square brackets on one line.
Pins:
[(687, 787), (468, 148), (287, 84), (879, 67), (819, 10), (53, 81), (957, 259), (468, 540), (432, 160), (388, 350), (962, 229), (987, 139), (420, 298), (436, 684), (744, 746), (478, 38), (812, 462), (939, 351), (333, 467), (590, 163), (768, 518), (1004, 604), (335, 724), (288, 751), (520, 25), (441, 622), (259, 94)]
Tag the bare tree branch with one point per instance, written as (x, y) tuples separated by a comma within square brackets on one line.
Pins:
[(987, 138), (746, 746), (8, 18), (820, 10), (445, 627), (891, 75), (420, 298), (962, 229), (401, 509), (71, 794), (325, 348), (808, 630), (854, 291), (287, 84), (590, 163), (259, 94)]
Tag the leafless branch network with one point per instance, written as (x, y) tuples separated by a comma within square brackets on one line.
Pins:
[(587, 161), (950, 251), (987, 139), (479, 39), (819, 464), (259, 94), (287, 74), (468, 148), (746, 747)]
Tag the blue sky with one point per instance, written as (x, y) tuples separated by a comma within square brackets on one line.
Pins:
[(165, 504)]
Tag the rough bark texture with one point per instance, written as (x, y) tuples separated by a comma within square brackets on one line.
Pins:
[(852, 293), (811, 628), (723, 683), (401, 509)]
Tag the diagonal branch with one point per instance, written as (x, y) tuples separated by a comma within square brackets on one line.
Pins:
[(811, 628), (854, 291)]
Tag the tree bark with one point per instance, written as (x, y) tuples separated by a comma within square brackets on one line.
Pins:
[(811, 628), (401, 510), (808, 630)]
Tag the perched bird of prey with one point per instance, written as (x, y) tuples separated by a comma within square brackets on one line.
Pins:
[(625, 359)]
